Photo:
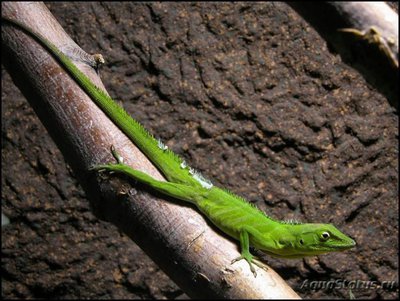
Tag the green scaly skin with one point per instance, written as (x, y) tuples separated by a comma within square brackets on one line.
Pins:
[(227, 211)]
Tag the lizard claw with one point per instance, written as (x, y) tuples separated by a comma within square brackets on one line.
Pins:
[(249, 260)]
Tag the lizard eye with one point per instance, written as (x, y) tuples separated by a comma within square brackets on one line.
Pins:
[(325, 235)]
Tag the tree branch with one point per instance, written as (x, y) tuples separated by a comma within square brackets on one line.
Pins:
[(175, 236)]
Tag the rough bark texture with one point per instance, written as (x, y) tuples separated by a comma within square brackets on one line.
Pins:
[(248, 94)]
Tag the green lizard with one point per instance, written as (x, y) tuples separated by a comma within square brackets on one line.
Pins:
[(227, 211)]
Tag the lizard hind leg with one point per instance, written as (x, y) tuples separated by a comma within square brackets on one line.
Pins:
[(179, 191)]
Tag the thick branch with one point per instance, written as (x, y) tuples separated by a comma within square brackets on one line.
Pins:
[(175, 236), (375, 55)]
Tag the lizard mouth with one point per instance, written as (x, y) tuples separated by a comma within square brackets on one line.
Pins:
[(345, 245)]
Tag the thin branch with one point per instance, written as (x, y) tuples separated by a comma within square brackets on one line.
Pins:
[(366, 36)]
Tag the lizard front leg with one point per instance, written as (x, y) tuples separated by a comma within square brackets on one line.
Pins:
[(245, 251)]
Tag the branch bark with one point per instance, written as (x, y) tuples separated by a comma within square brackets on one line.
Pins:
[(175, 236), (377, 62)]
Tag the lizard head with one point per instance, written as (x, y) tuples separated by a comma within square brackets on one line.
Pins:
[(300, 240)]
